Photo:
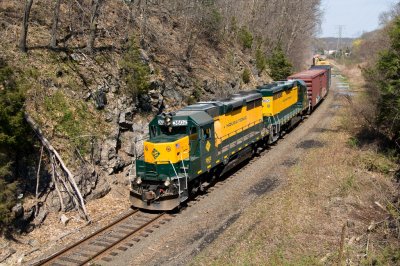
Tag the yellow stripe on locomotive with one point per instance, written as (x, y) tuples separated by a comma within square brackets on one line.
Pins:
[(233, 123)]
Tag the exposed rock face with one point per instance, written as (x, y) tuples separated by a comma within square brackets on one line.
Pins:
[(18, 210), (53, 203), (99, 97), (40, 218)]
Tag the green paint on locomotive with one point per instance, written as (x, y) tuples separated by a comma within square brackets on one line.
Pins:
[(201, 140)]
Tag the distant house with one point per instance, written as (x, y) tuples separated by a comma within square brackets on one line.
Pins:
[(329, 52)]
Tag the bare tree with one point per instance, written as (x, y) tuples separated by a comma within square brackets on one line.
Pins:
[(386, 17), (56, 17), (25, 24), (93, 24)]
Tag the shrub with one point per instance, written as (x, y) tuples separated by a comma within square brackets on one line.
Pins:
[(245, 37), (246, 75), (212, 25), (8, 199), (14, 139), (384, 77), (261, 61), (195, 97), (279, 66), (135, 71), (233, 24)]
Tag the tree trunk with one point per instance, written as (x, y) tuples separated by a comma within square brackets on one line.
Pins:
[(38, 181), (129, 20), (93, 24), (56, 17), (53, 178), (25, 24), (52, 151)]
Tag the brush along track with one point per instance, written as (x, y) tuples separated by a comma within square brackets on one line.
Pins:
[(108, 241)]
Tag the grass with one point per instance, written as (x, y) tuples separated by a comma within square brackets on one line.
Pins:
[(353, 142), (279, 257), (72, 119), (375, 161), (54, 85), (348, 184), (387, 256)]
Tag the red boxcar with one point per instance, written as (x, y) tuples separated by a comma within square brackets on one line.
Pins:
[(317, 84)]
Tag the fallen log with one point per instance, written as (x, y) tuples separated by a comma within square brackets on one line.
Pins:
[(65, 169), (53, 178)]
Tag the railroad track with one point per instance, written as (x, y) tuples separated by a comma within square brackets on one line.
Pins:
[(121, 234), (108, 241), (125, 231)]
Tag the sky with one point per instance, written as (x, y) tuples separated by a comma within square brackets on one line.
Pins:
[(356, 16)]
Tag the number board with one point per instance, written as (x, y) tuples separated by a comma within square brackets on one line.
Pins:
[(174, 123), (179, 123)]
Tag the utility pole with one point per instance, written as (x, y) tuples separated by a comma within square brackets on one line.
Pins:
[(339, 39)]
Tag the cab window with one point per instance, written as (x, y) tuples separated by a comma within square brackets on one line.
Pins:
[(193, 135), (153, 131), (173, 130), (206, 133)]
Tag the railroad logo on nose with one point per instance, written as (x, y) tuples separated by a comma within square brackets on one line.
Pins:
[(155, 153)]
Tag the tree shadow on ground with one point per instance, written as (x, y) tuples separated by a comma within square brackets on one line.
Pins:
[(368, 137)]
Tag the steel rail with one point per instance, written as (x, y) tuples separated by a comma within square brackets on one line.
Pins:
[(80, 242), (106, 249)]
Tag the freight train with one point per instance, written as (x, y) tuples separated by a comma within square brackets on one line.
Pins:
[(189, 149)]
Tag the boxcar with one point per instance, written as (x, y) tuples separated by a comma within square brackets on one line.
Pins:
[(328, 69), (317, 84)]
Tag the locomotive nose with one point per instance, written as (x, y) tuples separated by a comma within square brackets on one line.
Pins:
[(166, 152)]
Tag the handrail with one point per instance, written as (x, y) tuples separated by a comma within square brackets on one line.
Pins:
[(184, 170), (179, 182)]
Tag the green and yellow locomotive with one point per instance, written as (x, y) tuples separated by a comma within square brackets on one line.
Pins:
[(189, 149)]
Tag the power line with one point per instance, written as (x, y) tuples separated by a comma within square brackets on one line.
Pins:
[(339, 39)]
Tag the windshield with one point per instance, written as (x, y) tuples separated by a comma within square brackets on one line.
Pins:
[(156, 131), (172, 130)]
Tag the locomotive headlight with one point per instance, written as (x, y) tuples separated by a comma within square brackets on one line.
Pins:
[(138, 180), (167, 183)]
